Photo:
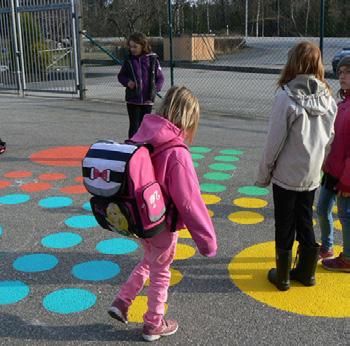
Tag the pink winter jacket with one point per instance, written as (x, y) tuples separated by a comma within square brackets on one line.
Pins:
[(178, 179), (337, 163)]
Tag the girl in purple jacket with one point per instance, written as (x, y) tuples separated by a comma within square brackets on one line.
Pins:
[(142, 77), (177, 121)]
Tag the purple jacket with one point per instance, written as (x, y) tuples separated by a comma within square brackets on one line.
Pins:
[(178, 179), (139, 68)]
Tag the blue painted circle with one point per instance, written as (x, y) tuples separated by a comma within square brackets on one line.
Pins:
[(62, 240), (12, 291), (35, 263), (96, 270), (69, 300), (81, 221), (55, 202), (116, 246), (14, 199), (87, 206)]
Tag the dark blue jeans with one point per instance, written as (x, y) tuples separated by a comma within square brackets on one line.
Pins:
[(136, 113)]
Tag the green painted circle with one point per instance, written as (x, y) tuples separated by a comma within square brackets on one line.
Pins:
[(226, 158), (197, 156), (212, 187), (231, 152), (195, 164), (253, 191), (217, 176), (222, 166), (202, 150)]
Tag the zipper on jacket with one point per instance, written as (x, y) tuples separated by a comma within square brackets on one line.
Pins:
[(141, 91)]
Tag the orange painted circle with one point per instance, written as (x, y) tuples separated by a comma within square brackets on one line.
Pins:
[(18, 174), (52, 176), (4, 184), (60, 156), (79, 179), (36, 187), (74, 189)]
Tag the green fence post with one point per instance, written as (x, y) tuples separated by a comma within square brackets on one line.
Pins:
[(170, 31), (321, 25)]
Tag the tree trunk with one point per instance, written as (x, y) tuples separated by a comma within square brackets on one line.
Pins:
[(257, 18)]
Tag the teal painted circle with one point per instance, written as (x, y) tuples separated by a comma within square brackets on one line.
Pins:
[(35, 263), (69, 300), (55, 202), (81, 221), (116, 246), (200, 150), (12, 292), (197, 156), (219, 176), (96, 270), (222, 166), (195, 164), (253, 191), (87, 206), (14, 199), (231, 152), (226, 158), (1, 231), (212, 187), (62, 240)]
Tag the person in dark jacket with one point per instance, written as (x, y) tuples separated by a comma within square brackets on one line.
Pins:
[(142, 77)]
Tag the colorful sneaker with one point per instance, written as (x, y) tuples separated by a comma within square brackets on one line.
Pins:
[(119, 310), (324, 253), (152, 333), (338, 264)]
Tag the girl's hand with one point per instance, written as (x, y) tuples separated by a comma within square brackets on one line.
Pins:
[(131, 85), (344, 194)]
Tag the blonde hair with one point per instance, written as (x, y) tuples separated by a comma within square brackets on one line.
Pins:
[(181, 108), (303, 58)]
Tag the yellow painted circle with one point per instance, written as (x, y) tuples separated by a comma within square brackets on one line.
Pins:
[(175, 278), (210, 199), (246, 202), (335, 210), (314, 222), (184, 233), (211, 213), (246, 217), (337, 225), (138, 308), (329, 298), (184, 251)]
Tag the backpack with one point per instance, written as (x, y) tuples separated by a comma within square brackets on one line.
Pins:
[(127, 199)]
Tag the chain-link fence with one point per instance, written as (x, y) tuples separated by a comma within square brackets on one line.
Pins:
[(228, 52)]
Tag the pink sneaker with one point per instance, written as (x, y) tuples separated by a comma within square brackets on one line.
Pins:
[(324, 253), (338, 264), (119, 310), (152, 333)]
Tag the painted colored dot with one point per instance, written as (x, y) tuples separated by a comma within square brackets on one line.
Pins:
[(4, 184), (231, 152), (138, 308), (210, 199), (335, 210), (222, 166), (61, 156), (116, 246), (219, 176), (250, 202), (184, 233), (184, 251), (314, 222), (195, 164), (74, 189), (212, 187), (69, 300), (226, 158), (246, 217), (61, 240), (36, 187), (253, 191), (96, 270), (328, 298), (202, 150), (175, 277), (79, 179), (1, 231), (14, 199), (35, 263), (337, 225), (18, 174), (52, 176), (211, 213), (55, 202), (87, 206), (12, 292), (81, 221), (197, 156)]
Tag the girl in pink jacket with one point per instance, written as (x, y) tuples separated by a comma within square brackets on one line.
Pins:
[(177, 121)]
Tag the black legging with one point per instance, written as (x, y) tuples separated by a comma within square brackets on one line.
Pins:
[(136, 113)]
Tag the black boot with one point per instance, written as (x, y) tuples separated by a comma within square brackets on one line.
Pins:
[(305, 269), (280, 276)]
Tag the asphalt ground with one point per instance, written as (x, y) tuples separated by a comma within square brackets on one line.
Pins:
[(225, 300)]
